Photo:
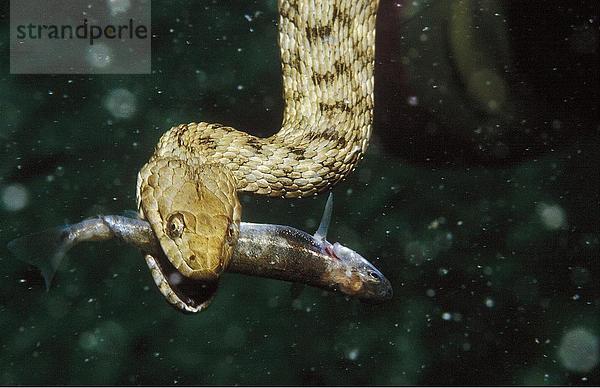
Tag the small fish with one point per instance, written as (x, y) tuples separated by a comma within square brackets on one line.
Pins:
[(264, 250)]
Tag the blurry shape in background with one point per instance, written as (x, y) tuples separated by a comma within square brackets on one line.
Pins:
[(121, 103), (579, 351), (352, 354), (99, 56), (484, 82), (436, 240), (15, 197), (118, 6), (552, 216)]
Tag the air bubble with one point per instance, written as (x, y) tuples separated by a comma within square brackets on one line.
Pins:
[(118, 6), (413, 101), (352, 355), (99, 56), (552, 216), (15, 197), (121, 103), (579, 351)]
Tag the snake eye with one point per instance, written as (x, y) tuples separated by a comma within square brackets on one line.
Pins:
[(175, 225), (374, 275)]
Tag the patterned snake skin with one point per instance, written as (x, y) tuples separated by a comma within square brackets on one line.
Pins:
[(187, 190)]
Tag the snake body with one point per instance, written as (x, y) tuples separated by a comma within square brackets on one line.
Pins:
[(188, 189)]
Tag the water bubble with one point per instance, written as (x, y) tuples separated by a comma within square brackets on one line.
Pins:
[(417, 252), (352, 354), (552, 216), (579, 351), (99, 56), (121, 103), (88, 340), (119, 6), (15, 197)]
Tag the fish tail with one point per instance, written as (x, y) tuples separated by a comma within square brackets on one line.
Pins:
[(44, 250)]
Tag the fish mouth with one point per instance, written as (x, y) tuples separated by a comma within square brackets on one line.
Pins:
[(367, 283), (383, 289), (378, 293), (185, 294), (374, 287)]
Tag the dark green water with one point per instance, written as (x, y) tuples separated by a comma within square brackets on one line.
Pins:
[(478, 198)]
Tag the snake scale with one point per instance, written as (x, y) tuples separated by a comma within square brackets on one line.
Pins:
[(188, 189)]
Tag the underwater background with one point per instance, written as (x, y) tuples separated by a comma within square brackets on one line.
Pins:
[(478, 198)]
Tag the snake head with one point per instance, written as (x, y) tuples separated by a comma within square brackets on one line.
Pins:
[(194, 212)]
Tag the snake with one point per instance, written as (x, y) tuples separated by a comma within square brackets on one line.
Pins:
[(188, 190)]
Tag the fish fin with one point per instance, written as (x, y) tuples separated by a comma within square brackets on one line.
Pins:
[(321, 233), (296, 289), (129, 213), (44, 250)]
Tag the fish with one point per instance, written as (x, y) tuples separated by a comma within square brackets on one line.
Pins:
[(262, 250)]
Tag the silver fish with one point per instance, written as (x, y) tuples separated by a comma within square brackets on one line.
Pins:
[(263, 250)]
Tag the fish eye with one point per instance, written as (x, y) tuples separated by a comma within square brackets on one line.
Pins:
[(374, 275), (175, 225)]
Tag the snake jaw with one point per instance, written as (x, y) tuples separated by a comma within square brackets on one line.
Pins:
[(187, 295), (194, 212), (201, 254)]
